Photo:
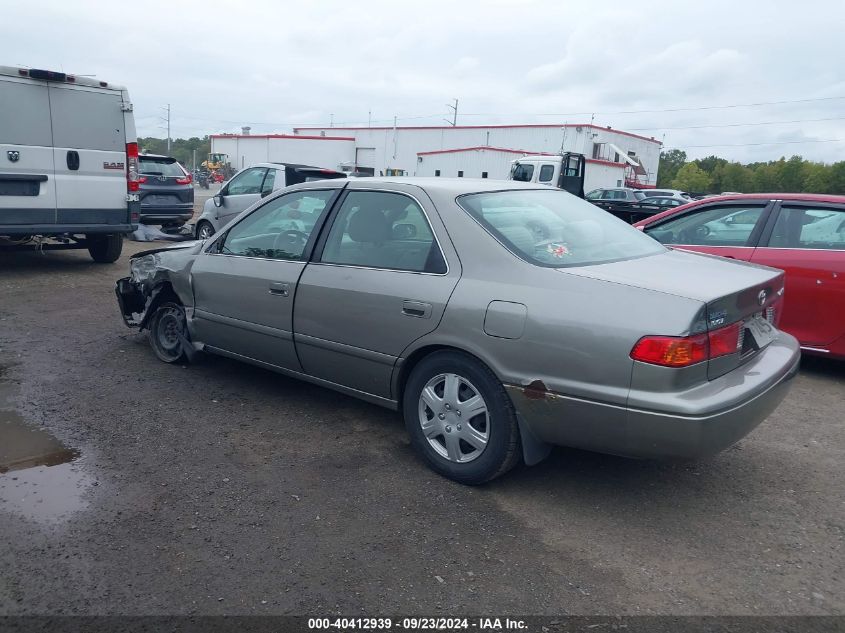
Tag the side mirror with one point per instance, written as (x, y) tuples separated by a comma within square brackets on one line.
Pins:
[(404, 231), (218, 199)]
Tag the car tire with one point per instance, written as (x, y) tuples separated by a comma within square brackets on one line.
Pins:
[(164, 332), (446, 429), (105, 249), (204, 230)]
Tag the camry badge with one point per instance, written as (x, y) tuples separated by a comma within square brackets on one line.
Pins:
[(761, 297), (13, 155)]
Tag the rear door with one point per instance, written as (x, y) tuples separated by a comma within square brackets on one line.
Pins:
[(27, 176), (89, 155), (241, 191), (379, 281), (727, 229), (807, 241)]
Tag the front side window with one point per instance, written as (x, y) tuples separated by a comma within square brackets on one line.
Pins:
[(278, 230), (713, 226), (248, 181), (798, 227), (379, 229), (556, 229), (546, 173), (523, 172)]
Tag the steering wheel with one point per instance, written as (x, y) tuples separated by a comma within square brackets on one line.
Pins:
[(290, 238)]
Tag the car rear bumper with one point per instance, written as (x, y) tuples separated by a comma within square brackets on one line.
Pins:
[(65, 229), (154, 214), (701, 424)]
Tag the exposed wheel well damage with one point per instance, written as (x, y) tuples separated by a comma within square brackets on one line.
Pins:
[(534, 450)]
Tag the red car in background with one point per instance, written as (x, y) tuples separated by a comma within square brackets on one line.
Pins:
[(802, 234)]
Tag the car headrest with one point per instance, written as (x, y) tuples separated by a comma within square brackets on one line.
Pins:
[(370, 225)]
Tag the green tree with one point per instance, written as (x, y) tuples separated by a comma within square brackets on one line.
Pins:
[(691, 178), (670, 162), (837, 177), (180, 149), (818, 178)]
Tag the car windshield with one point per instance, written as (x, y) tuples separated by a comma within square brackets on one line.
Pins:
[(556, 229), (161, 167)]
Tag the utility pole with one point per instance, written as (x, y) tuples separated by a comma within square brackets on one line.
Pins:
[(167, 109), (370, 118), (331, 120), (454, 109)]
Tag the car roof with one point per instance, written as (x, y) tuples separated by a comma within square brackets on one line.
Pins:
[(796, 197), (455, 186)]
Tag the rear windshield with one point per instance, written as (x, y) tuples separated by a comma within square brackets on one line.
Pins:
[(639, 195), (556, 229), (161, 167)]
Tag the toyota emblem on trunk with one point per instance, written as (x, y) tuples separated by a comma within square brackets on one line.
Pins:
[(761, 297), (13, 155)]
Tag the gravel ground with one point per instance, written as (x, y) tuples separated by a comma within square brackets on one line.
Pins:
[(223, 488)]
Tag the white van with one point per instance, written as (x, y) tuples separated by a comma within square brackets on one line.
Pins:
[(68, 163)]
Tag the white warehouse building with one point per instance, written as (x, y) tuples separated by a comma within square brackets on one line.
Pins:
[(614, 157)]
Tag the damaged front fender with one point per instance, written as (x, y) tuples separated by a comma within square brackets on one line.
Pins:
[(156, 275)]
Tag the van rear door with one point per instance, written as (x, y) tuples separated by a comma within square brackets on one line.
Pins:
[(89, 139), (27, 177)]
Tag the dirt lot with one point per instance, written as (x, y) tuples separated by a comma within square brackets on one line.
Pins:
[(222, 488)]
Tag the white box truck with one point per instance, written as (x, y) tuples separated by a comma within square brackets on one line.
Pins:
[(68, 163)]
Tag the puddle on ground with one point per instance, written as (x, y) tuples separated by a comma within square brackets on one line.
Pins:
[(39, 478)]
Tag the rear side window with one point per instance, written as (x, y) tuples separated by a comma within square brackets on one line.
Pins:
[(161, 167), (84, 119), (546, 173), (523, 173), (24, 114), (809, 228), (713, 226), (556, 229), (379, 229)]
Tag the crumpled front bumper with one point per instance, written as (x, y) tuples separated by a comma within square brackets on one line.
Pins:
[(132, 302)]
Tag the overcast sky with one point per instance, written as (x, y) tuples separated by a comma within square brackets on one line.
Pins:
[(274, 65)]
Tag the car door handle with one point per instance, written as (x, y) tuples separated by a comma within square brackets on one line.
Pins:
[(416, 309), (279, 288)]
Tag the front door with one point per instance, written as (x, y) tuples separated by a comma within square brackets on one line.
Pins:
[(244, 285), (378, 282), (724, 229), (808, 243), (239, 193)]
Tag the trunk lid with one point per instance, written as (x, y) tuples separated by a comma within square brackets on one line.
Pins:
[(733, 293)]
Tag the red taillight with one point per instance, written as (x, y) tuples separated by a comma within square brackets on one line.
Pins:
[(142, 179), (726, 340), (187, 180), (671, 351), (683, 351), (133, 174)]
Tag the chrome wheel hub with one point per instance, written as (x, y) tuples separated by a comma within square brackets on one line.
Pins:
[(454, 418)]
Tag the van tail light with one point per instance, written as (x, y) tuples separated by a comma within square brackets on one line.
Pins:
[(133, 169), (683, 351), (186, 180), (142, 179)]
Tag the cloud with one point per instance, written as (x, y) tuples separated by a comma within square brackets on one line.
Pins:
[(273, 65)]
